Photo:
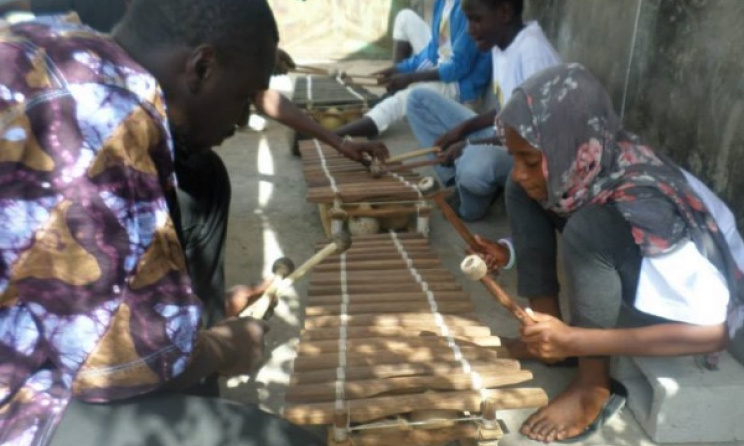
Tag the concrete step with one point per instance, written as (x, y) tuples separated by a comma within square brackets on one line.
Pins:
[(677, 401)]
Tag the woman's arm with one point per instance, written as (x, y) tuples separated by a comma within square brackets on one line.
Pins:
[(550, 338)]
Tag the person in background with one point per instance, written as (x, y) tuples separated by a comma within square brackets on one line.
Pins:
[(652, 258), (96, 305), (450, 65), (411, 34), (473, 158)]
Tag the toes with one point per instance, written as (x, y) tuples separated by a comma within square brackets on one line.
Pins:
[(528, 427), (542, 428)]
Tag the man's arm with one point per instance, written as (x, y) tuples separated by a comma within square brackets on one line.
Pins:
[(274, 105), (461, 131)]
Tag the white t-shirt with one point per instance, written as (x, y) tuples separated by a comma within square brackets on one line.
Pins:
[(685, 286), (529, 53)]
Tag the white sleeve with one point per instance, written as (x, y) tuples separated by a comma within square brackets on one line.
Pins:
[(682, 286), (723, 216)]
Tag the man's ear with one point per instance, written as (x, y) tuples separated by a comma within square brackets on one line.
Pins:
[(200, 66)]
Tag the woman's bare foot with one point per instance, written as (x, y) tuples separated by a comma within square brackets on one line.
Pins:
[(568, 415)]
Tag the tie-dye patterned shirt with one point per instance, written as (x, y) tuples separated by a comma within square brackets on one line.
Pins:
[(95, 303)]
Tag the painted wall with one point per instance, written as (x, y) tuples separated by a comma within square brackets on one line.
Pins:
[(675, 69), (338, 29)]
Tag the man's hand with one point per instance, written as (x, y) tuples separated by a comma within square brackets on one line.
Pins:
[(447, 157), (549, 338), (355, 150), (399, 82), (383, 76), (284, 62), (240, 297), (494, 254), (238, 344), (450, 137)]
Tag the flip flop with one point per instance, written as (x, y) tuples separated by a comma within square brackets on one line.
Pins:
[(616, 401)]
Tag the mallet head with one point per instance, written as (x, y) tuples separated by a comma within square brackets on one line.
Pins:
[(283, 267), (427, 185), (376, 169), (342, 240), (474, 267)]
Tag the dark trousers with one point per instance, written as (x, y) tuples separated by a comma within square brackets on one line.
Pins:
[(600, 258)]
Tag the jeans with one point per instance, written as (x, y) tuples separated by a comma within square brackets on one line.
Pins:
[(481, 172)]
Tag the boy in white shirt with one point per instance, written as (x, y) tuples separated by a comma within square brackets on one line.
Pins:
[(472, 156)]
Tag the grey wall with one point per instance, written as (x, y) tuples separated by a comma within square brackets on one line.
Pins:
[(676, 70)]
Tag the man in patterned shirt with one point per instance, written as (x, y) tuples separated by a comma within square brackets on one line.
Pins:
[(96, 305)]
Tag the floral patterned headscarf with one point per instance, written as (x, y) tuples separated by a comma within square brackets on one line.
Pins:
[(588, 158)]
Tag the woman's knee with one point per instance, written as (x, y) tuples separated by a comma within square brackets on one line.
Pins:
[(601, 230)]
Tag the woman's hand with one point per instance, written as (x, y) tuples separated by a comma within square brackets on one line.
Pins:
[(494, 254), (549, 338)]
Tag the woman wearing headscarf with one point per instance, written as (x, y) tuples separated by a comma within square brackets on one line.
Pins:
[(652, 257)]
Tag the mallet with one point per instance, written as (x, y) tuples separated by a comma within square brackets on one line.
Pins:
[(377, 168), (475, 268), (260, 309), (341, 242)]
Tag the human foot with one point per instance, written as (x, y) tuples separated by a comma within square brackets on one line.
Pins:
[(569, 414)]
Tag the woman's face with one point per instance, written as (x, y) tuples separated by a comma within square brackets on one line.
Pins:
[(528, 165)]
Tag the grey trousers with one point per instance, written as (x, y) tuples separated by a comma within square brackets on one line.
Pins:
[(176, 420), (600, 258)]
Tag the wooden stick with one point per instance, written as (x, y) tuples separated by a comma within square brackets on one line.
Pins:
[(454, 220), (448, 307), (413, 354), (325, 334), (389, 344), (397, 289), (438, 368), (388, 320), (362, 411), (414, 165), (310, 69), (361, 76), (354, 390), (261, 308), (413, 154), (475, 268)]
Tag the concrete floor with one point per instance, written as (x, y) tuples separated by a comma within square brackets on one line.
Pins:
[(270, 218)]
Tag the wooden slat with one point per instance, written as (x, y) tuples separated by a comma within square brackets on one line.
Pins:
[(362, 411)]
